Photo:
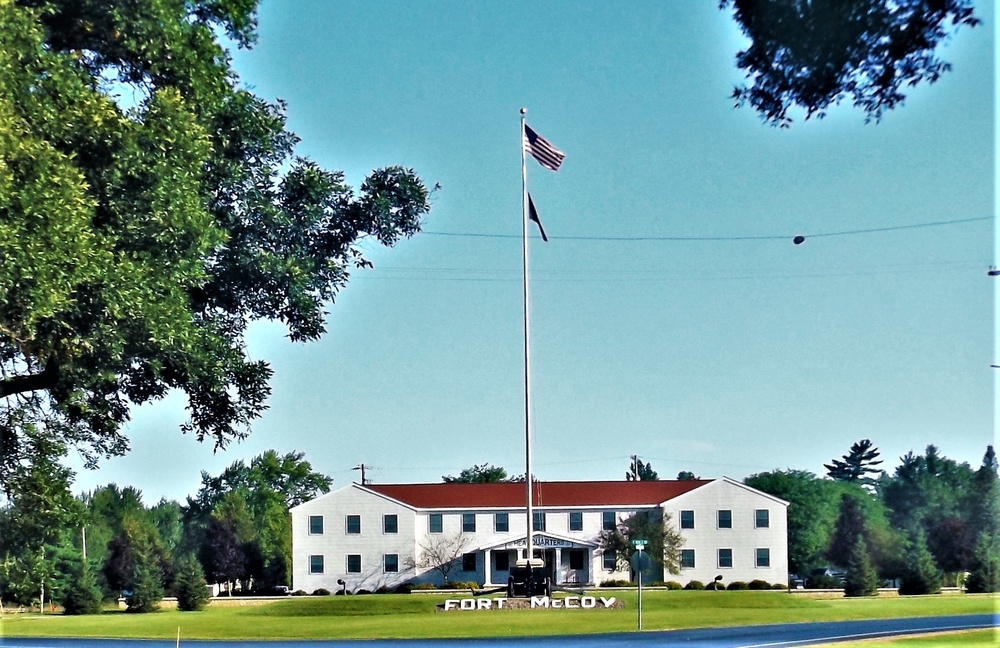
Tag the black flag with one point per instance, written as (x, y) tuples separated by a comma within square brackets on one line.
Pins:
[(533, 215)]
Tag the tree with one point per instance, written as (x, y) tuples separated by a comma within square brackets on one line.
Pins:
[(921, 575), (812, 513), (857, 464), (686, 475), (191, 588), (258, 497), (813, 54), (441, 553), (479, 474), (140, 238), (38, 519), (861, 578), (83, 596), (663, 541), (849, 528), (639, 471), (222, 554), (984, 572)]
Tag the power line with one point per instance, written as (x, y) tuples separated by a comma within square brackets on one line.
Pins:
[(681, 239)]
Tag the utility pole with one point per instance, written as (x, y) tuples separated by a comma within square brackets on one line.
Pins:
[(362, 468), (635, 467)]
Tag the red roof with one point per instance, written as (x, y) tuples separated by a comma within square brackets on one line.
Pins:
[(546, 494)]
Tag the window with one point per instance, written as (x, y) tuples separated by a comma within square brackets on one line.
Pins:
[(390, 563), (762, 519), (576, 560), (502, 561), (538, 521), (575, 521), (725, 519), (315, 525), (354, 524), (687, 519), (390, 524), (687, 558), (315, 564), (763, 557), (435, 523), (725, 557), (608, 521), (469, 562), (353, 563), (501, 524), (468, 522), (610, 560)]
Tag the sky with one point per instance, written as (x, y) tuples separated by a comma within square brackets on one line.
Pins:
[(671, 315)]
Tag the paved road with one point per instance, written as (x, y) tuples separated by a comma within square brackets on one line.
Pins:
[(769, 636)]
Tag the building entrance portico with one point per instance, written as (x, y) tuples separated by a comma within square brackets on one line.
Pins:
[(568, 560)]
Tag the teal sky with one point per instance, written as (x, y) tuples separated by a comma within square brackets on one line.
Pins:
[(722, 357)]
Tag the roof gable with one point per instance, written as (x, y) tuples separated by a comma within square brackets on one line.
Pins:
[(545, 495)]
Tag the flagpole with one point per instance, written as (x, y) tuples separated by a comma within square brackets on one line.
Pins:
[(527, 345)]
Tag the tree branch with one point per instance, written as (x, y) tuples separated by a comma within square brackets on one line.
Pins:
[(44, 380)]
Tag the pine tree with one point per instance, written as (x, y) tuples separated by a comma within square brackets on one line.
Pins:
[(921, 575), (861, 579), (857, 464), (192, 590), (147, 589), (82, 596), (984, 574)]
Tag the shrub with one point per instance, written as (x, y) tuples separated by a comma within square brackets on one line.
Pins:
[(425, 586), (715, 585), (361, 592), (322, 591), (404, 588), (299, 593), (191, 588), (616, 583), (383, 589), (695, 585), (758, 584), (673, 585), (779, 586), (738, 585)]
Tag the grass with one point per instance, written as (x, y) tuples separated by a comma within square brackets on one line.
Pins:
[(415, 616), (964, 639)]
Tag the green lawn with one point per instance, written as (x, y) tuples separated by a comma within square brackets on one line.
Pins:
[(409, 616), (968, 639)]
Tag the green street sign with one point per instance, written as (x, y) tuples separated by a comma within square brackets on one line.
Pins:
[(638, 544)]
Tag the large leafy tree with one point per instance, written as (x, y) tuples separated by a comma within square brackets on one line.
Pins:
[(39, 518), (256, 498), (812, 54), (150, 209), (478, 474)]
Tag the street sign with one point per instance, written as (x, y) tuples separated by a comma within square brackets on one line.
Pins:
[(639, 544)]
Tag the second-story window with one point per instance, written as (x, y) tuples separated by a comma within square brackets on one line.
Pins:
[(538, 521), (575, 521), (354, 524), (608, 521), (468, 522), (390, 524), (687, 519), (435, 523), (501, 524), (315, 525)]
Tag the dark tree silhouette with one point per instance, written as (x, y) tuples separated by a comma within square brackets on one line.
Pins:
[(815, 53), (857, 464)]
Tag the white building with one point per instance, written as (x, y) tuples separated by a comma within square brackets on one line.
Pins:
[(381, 534)]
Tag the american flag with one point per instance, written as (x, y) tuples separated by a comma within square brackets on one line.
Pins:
[(547, 155)]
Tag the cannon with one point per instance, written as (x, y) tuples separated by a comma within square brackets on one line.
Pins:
[(529, 577)]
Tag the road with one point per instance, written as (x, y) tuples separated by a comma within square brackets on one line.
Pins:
[(769, 636)]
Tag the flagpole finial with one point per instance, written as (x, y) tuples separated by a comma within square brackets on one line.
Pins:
[(524, 111)]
